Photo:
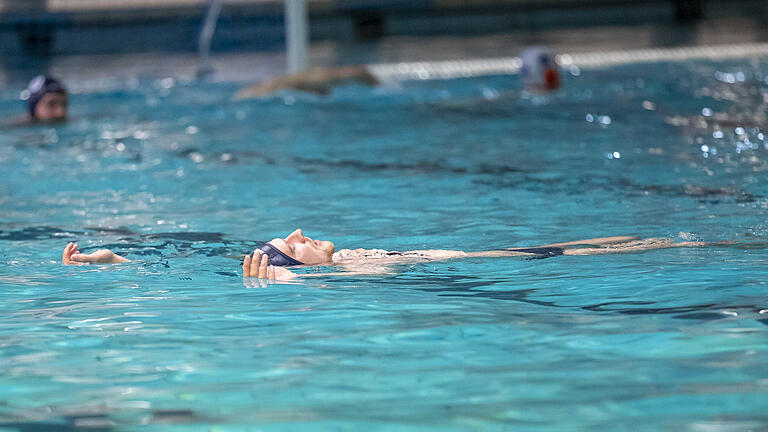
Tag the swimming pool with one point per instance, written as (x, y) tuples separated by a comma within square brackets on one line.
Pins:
[(178, 177)]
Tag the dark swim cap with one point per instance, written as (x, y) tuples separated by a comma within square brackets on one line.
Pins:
[(39, 87), (277, 257)]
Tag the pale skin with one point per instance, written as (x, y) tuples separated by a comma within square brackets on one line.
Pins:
[(52, 107), (71, 256), (317, 80), (318, 252), (315, 252)]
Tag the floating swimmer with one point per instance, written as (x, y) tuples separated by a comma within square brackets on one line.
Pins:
[(271, 259), (540, 71), (316, 80)]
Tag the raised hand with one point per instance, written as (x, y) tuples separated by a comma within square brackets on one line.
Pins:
[(257, 266), (71, 256), (69, 251)]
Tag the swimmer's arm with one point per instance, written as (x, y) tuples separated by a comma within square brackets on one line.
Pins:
[(317, 80), (262, 270), (351, 269), (71, 256), (350, 273)]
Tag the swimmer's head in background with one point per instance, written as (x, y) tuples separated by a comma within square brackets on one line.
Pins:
[(277, 257), (540, 71), (41, 108)]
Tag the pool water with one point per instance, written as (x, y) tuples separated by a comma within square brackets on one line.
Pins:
[(176, 176)]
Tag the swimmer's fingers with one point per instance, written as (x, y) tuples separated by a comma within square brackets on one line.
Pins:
[(258, 267), (247, 266), (255, 260), (66, 253), (71, 256), (263, 266), (250, 265)]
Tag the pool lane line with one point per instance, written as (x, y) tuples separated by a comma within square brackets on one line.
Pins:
[(511, 65)]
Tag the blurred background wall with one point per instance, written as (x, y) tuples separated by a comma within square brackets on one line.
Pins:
[(67, 27)]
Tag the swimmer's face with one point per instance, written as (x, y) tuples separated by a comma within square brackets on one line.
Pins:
[(304, 249), (52, 107)]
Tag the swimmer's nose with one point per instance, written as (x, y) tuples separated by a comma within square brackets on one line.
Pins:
[(297, 235)]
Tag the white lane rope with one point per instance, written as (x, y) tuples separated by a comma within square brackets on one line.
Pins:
[(511, 65)]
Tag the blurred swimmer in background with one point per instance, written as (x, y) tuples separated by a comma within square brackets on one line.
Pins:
[(317, 80), (539, 70), (47, 102)]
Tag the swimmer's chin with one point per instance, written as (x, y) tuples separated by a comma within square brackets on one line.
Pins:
[(48, 122)]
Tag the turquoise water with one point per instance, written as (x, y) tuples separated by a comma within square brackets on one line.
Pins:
[(176, 176)]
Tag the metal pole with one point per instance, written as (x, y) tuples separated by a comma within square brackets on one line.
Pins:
[(204, 67), (296, 34)]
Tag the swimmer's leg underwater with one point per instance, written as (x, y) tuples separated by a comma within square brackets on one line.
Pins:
[(598, 241)]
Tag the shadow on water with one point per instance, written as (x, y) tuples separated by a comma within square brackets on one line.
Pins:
[(464, 287), (69, 425), (308, 165), (101, 422), (501, 176), (570, 185)]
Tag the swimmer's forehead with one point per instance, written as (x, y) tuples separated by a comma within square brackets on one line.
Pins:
[(281, 244)]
